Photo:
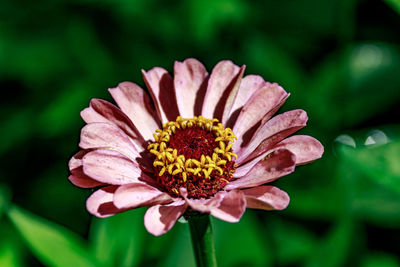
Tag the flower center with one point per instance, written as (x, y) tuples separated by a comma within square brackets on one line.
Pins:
[(195, 154)]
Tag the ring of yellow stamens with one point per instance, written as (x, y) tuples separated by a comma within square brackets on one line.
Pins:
[(168, 159)]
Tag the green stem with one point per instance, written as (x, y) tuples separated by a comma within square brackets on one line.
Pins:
[(202, 240)]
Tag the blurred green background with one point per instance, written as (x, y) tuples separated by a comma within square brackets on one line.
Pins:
[(340, 60)]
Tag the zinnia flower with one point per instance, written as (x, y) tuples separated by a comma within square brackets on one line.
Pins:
[(200, 142)]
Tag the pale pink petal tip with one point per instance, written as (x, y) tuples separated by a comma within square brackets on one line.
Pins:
[(100, 203), (306, 148), (160, 219), (78, 177), (136, 195), (227, 206), (109, 166), (266, 198), (279, 163)]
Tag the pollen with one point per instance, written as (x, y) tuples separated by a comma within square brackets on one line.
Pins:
[(195, 154)]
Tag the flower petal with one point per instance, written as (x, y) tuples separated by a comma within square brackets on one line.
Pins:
[(136, 104), (230, 100), (103, 111), (104, 135), (223, 79), (248, 86), (270, 133), (111, 167), (136, 195), (266, 198), (190, 78), (160, 219), (161, 87), (78, 177), (306, 148), (227, 206), (261, 106), (277, 164), (100, 202)]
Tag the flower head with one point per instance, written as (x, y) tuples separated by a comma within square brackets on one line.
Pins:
[(200, 142)]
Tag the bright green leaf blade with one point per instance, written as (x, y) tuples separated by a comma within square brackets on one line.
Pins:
[(119, 240), (11, 250), (395, 4), (52, 244)]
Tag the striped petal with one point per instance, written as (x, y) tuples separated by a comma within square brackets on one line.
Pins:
[(223, 80), (161, 87), (78, 177), (279, 163), (227, 206), (136, 104), (160, 219), (100, 202), (306, 148), (111, 167), (190, 79), (270, 133), (248, 85), (104, 135), (266, 198), (136, 195), (261, 106)]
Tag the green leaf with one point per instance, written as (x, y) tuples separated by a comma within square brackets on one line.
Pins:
[(395, 4), (379, 163), (11, 250), (380, 260), (333, 249), (241, 244), (180, 253), (52, 244), (119, 240), (293, 243), (5, 196)]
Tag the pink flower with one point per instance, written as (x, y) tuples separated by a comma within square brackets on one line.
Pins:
[(177, 151)]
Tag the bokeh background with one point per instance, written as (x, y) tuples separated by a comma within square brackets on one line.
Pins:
[(339, 59)]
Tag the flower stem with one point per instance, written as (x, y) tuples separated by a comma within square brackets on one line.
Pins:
[(202, 240)]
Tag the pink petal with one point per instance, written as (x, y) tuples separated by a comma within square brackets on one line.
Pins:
[(189, 80), (270, 133), (111, 167), (160, 219), (100, 202), (104, 135), (77, 176), (248, 85), (227, 206), (136, 195), (230, 100), (161, 87), (103, 111), (266, 198), (136, 104), (306, 148), (261, 106), (223, 79), (277, 164)]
